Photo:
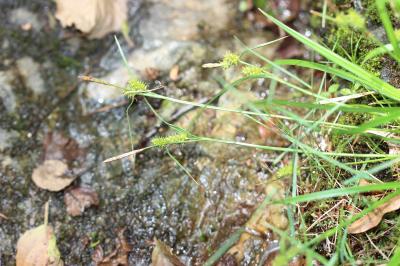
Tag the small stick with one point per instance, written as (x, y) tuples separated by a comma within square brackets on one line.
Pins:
[(46, 213), (121, 156)]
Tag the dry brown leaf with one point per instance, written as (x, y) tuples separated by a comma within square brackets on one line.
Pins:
[(38, 247), (151, 73), (94, 17), (52, 175), (79, 198), (260, 220), (364, 182), (119, 257), (174, 73), (162, 256), (58, 147), (372, 219)]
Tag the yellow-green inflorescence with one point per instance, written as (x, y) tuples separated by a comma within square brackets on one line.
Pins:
[(230, 59), (252, 71), (164, 141), (133, 87)]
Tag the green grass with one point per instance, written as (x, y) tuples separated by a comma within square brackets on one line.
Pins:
[(359, 126)]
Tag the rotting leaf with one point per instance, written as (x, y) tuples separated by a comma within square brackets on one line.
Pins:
[(373, 218), (119, 257), (151, 73), (162, 256), (94, 17), (38, 247), (264, 216), (52, 175), (59, 147), (79, 198)]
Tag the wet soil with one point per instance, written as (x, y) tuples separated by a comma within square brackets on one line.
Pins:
[(149, 196)]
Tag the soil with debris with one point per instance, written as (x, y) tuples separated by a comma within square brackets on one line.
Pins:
[(48, 114)]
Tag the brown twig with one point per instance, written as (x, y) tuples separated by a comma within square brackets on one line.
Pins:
[(121, 156)]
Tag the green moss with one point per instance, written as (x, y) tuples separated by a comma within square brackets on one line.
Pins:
[(350, 41), (340, 142), (371, 12)]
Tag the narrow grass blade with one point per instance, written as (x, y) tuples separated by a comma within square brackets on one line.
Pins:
[(339, 192), (387, 24), (369, 80)]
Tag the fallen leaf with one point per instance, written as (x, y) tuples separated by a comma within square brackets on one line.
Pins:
[(79, 198), (174, 73), (58, 147), (94, 17), (52, 175), (38, 247), (373, 218), (151, 73), (289, 48), (264, 216), (119, 257), (162, 256), (364, 182)]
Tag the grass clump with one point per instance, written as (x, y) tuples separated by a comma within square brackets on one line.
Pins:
[(325, 196)]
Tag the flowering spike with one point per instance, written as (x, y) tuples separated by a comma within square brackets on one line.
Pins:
[(252, 70), (229, 60), (134, 86), (163, 141)]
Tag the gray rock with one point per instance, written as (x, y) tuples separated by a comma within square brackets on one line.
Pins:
[(6, 138), (169, 33), (164, 57), (183, 20), (22, 16), (6, 91), (30, 71)]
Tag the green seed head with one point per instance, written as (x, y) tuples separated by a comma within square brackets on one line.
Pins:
[(163, 141), (251, 70), (133, 87), (229, 60)]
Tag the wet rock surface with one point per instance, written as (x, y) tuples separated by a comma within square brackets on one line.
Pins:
[(148, 196)]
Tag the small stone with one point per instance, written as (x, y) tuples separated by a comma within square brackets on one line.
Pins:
[(30, 71), (7, 95), (6, 138), (23, 17)]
